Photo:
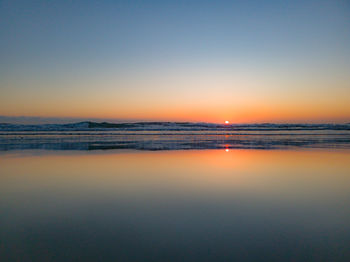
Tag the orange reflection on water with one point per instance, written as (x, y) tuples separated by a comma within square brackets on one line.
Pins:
[(255, 172)]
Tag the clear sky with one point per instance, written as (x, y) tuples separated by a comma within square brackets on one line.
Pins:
[(242, 61)]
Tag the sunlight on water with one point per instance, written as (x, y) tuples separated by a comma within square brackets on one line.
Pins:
[(175, 205)]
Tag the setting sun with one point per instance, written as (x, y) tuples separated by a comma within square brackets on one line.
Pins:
[(115, 138)]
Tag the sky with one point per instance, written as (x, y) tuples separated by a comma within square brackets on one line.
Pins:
[(202, 61)]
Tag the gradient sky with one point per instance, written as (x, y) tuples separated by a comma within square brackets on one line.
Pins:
[(242, 61)]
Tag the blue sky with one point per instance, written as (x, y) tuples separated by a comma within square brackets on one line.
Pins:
[(82, 53)]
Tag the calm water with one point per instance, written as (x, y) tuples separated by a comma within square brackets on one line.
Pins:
[(177, 205)]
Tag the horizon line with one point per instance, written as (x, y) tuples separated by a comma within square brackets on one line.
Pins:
[(37, 120)]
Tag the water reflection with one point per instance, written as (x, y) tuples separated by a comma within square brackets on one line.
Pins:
[(212, 205)]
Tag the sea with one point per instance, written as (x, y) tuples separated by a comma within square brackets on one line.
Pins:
[(174, 192)]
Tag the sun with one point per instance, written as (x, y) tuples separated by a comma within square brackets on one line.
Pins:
[(227, 122)]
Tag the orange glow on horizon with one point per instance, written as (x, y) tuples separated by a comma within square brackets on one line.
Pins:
[(253, 112)]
